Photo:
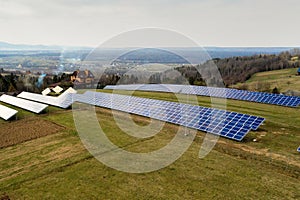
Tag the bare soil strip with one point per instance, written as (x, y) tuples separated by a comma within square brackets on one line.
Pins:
[(26, 129)]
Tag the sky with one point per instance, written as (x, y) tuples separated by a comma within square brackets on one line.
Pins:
[(239, 23)]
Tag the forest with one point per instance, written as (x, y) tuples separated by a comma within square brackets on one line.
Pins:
[(239, 69)]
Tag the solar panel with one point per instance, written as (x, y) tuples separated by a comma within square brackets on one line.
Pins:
[(46, 91), (227, 124), (57, 89), (7, 113), (147, 87), (63, 101), (259, 97), (24, 104), (69, 90), (298, 149)]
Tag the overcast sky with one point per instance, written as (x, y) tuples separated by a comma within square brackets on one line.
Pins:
[(208, 22)]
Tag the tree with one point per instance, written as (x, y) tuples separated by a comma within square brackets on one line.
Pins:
[(275, 91), (262, 86), (191, 80), (11, 88), (55, 79)]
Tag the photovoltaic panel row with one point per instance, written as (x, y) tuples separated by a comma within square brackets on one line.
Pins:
[(62, 101), (252, 121), (7, 113), (227, 124), (206, 112), (147, 87), (260, 97), (24, 104)]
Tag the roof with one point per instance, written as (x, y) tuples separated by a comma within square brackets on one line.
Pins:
[(85, 74)]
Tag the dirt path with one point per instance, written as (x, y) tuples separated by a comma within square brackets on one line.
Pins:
[(263, 152)]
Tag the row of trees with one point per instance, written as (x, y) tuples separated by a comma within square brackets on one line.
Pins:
[(239, 69), (232, 70), (16, 83)]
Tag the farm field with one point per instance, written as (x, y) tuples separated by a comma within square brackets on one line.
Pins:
[(57, 166)]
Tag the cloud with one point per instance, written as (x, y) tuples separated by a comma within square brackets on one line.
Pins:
[(209, 22), (10, 9)]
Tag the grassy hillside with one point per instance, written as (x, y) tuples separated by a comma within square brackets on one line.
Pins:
[(57, 166), (284, 80)]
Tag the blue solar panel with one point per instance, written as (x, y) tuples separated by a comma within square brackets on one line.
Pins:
[(227, 124), (260, 97)]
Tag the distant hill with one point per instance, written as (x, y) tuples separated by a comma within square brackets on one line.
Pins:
[(226, 52), (4, 46), (183, 55), (142, 56)]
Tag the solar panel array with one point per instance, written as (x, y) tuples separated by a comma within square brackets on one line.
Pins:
[(260, 97), (7, 113), (63, 101), (147, 87), (24, 104), (220, 122)]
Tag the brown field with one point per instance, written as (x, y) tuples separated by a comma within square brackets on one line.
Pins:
[(26, 129)]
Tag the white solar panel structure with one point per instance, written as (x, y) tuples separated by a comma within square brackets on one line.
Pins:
[(46, 91), (63, 101), (23, 103), (220, 122), (57, 89), (7, 113), (69, 90), (260, 97)]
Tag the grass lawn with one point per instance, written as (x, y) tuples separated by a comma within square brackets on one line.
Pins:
[(58, 166)]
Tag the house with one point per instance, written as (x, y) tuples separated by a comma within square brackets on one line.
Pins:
[(295, 58), (82, 77)]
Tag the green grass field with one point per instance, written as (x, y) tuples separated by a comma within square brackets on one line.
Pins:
[(284, 80), (58, 166)]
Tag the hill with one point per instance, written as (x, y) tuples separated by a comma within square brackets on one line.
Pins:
[(239, 69), (5, 46), (142, 56), (285, 80)]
